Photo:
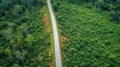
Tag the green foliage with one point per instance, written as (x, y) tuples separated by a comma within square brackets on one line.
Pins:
[(102, 5), (93, 38), (15, 65), (17, 11), (7, 33), (23, 42), (27, 3), (30, 38), (8, 7)]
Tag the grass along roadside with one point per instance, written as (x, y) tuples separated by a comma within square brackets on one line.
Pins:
[(48, 29), (62, 40)]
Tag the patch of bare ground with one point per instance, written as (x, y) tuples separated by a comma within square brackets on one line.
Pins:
[(51, 62), (47, 30), (45, 20), (46, 24), (63, 40)]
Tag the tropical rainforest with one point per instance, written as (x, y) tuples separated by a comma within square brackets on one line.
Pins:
[(23, 42), (93, 31)]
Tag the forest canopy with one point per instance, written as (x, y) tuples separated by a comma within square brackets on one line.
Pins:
[(23, 42), (112, 6), (93, 32)]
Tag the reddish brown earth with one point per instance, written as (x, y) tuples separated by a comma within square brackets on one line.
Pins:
[(47, 27), (63, 39)]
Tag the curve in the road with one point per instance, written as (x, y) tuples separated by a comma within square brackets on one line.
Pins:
[(56, 38)]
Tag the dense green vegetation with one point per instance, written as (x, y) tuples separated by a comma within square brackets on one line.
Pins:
[(94, 40), (112, 6), (23, 42)]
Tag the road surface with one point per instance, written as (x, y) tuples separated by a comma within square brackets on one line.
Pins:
[(56, 38)]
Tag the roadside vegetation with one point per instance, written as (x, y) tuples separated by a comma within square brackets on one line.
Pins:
[(48, 29), (23, 41), (92, 32)]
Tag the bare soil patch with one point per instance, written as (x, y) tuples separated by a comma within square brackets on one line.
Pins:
[(63, 39)]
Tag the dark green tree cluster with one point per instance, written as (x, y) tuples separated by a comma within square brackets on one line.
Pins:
[(112, 6), (23, 42), (16, 7), (93, 40)]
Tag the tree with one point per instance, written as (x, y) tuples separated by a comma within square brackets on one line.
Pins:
[(15, 65), (8, 51), (27, 3), (17, 11), (7, 33), (115, 16), (29, 38)]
